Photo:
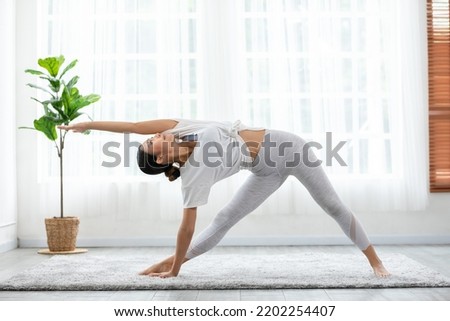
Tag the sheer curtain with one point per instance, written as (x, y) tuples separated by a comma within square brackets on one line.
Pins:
[(355, 68)]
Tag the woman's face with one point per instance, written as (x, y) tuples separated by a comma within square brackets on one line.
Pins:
[(161, 146)]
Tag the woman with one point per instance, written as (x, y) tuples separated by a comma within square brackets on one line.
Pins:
[(203, 153)]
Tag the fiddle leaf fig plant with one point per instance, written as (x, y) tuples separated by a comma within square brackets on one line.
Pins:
[(62, 105)]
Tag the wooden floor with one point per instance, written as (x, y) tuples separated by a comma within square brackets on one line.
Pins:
[(436, 257)]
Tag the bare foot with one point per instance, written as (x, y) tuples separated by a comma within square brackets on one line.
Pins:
[(378, 267), (380, 271)]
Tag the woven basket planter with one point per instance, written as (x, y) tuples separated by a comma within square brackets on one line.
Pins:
[(62, 233)]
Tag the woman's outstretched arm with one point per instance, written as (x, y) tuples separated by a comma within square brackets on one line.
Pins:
[(171, 266), (148, 127)]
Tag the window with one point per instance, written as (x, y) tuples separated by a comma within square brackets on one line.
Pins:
[(305, 66), (324, 64), (141, 56)]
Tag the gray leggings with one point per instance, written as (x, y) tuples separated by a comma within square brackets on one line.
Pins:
[(280, 156)]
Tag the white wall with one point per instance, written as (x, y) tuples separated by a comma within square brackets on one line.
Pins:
[(99, 228), (8, 209), (26, 57)]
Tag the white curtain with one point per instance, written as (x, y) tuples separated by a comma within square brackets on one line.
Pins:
[(8, 197), (355, 68)]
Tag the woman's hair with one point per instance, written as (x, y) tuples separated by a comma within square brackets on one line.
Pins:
[(147, 163)]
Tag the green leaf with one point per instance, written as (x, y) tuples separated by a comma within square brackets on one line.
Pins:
[(57, 104), (54, 85), (46, 126), (75, 115), (81, 102), (59, 117), (40, 88), (74, 93), (55, 119), (34, 72), (92, 98), (52, 64), (46, 77), (43, 103), (70, 66), (72, 82), (66, 99), (25, 127)]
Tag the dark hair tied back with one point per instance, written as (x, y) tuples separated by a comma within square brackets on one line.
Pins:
[(173, 172), (148, 165)]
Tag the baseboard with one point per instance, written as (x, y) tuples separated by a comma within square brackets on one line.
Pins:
[(252, 241), (8, 246)]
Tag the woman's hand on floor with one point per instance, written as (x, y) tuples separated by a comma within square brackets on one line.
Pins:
[(164, 275), (159, 268)]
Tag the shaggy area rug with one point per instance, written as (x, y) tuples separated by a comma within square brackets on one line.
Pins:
[(213, 272)]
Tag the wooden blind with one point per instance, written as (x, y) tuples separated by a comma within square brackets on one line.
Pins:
[(438, 24)]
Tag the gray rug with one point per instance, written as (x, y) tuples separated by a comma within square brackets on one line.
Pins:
[(297, 271)]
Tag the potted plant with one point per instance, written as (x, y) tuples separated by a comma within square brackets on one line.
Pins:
[(63, 105)]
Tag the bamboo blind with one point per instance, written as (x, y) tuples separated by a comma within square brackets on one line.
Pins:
[(438, 24)]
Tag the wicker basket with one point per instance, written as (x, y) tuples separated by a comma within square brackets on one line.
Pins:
[(62, 233)]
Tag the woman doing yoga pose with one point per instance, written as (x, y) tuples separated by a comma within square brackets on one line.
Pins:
[(205, 152)]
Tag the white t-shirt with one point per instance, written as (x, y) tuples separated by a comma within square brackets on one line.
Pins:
[(220, 152)]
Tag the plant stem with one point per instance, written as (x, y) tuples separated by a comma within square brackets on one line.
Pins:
[(60, 154)]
